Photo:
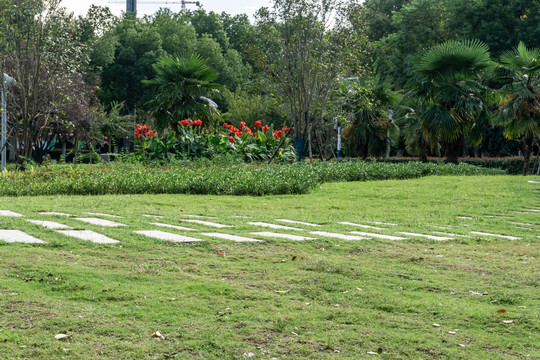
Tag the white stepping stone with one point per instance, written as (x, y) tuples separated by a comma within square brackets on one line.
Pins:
[(337, 236), (464, 217), (172, 226), (9, 213), (107, 215), (89, 235), (153, 216), (54, 213), (523, 224), (207, 223), (297, 222), (273, 226), (162, 235), (496, 235), (362, 225), (283, 236), (231, 237), (431, 237), (50, 224), (532, 210), (380, 236), (380, 223), (533, 182), (242, 217), (200, 216), (17, 236), (439, 227), (449, 234), (100, 222)]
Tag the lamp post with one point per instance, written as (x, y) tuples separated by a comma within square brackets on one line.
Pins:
[(3, 144)]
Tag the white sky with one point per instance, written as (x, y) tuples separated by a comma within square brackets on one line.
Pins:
[(233, 7)]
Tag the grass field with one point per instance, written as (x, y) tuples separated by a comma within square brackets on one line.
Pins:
[(315, 299)]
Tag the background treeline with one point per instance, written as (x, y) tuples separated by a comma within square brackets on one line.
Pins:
[(314, 65)]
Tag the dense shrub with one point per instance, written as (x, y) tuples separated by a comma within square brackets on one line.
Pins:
[(236, 179), (512, 165)]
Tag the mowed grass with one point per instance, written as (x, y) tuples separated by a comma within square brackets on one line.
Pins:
[(318, 299)]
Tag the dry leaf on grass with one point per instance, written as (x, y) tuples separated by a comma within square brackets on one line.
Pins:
[(158, 335)]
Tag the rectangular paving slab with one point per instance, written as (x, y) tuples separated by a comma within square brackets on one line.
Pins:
[(50, 224), (54, 213), (207, 223), (273, 226), (431, 237), (380, 223), (100, 222), (297, 222), (10, 213), (380, 236), (173, 226), (361, 225), (163, 235), (101, 214), (17, 236), (89, 235), (231, 237), (337, 235), (282, 236), (449, 234), (153, 216), (495, 235)]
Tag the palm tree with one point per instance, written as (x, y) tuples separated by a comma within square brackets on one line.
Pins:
[(451, 88), (371, 128), (181, 85), (519, 111)]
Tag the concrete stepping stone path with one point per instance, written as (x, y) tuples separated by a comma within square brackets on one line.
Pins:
[(361, 225), (106, 215), (337, 235), (380, 236), (163, 235), (50, 224), (380, 223), (297, 222), (54, 213), (200, 216), (273, 226), (431, 237), (153, 216), (17, 236), (89, 235), (282, 236), (100, 222), (173, 226), (449, 234), (231, 237), (495, 235), (464, 217), (10, 213), (207, 223)]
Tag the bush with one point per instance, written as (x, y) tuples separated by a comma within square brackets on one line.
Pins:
[(231, 179), (512, 165)]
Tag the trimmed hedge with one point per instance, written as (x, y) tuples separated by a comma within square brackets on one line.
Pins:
[(231, 180), (512, 165)]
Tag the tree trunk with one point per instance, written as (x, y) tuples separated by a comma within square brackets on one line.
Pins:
[(527, 149), (453, 150), (422, 154)]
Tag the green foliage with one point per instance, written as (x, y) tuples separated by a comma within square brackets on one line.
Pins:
[(179, 84), (229, 180)]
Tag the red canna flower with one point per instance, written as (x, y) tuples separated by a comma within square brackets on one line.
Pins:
[(286, 130), (265, 128), (231, 139), (258, 124), (225, 125)]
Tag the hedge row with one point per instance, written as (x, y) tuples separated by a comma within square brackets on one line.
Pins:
[(231, 180), (512, 165)]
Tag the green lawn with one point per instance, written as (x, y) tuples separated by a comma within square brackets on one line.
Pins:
[(283, 299)]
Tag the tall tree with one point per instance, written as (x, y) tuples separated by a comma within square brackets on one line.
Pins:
[(302, 47), (179, 85), (40, 49), (519, 74), (451, 86)]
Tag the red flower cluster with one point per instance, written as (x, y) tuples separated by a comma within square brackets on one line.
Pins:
[(258, 124), (143, 131), (188, 122), (231, 139)]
